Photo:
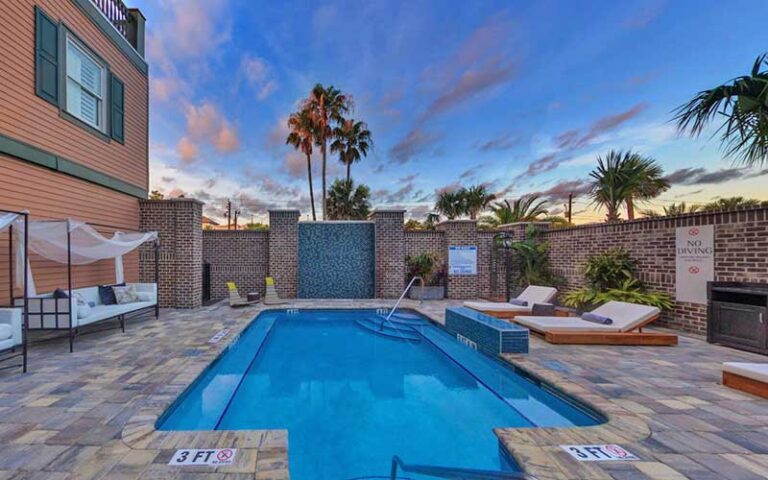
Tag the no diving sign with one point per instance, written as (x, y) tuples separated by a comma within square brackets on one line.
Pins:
[(211, 456), (598, 453)]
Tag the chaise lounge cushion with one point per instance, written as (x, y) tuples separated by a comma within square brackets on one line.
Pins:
[(497, 307), (563, 324), (627, 316), (754, 371), (6, 331), (532, 294)]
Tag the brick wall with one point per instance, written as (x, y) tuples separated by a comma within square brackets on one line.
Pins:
[(178, 223), (284, 251), (741, 253), (418, 242), (390, 252), (461, 232), (240, 256)]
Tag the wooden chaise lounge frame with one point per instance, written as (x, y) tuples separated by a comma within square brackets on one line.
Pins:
[(634, 337)]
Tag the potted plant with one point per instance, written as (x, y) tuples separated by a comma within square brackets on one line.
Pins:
[(428, 268)]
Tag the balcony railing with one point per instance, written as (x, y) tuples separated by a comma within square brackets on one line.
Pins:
[(121, 17)]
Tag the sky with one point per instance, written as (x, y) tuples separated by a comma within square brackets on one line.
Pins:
[(521, 96)]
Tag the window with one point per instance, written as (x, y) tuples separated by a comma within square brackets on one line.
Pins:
[(86, 80)]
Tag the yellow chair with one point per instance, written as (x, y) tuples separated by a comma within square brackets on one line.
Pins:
[(235, 300), (271, 297)]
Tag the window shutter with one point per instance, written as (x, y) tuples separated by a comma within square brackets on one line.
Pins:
[(46, 57), (117, 108)]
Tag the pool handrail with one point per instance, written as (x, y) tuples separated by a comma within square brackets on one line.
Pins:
[(405, 292), (454, 473)]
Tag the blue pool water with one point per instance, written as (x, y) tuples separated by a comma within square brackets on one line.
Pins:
[(351, 398)]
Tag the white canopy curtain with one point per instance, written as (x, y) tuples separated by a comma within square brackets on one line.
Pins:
[(74, 242), (16, 220)]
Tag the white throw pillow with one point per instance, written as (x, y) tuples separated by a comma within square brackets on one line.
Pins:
[(83, 308), (126, 294), (145, 296)]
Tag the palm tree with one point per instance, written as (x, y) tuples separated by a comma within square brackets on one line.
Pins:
[(621, 178), (476, 199), (326, 105), (431, 221), (744, 104), (352, 140), (347, 202), (671, 210), (450, 203), (523, 209), (301, 137), (732, 203)]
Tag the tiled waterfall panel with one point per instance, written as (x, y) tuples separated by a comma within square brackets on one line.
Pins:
[(336, 260), (490, 335)]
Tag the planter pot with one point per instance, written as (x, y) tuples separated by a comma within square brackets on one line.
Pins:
[(426, 293)]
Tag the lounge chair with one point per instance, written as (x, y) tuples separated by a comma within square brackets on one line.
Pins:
[(628, 320), (270, 297), (532, 294), (11, 337), (747, 377), (235, 300)]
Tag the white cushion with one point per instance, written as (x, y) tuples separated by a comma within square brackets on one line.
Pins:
[(497, 307), (755, 371), (563, 324), (102, 312), (6, 331), (89, 294), (627, 316), (535, 294)]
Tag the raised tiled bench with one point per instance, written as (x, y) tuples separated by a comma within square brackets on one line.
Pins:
[(491, 335)]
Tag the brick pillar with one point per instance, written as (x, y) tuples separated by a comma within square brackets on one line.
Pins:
[(284, 250), (460, 233), (178, 222), (390, 252)]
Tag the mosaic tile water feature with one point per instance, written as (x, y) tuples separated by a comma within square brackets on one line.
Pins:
[(336, 260)]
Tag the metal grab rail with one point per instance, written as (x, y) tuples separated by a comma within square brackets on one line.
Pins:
[(405, 292), (453, 473)]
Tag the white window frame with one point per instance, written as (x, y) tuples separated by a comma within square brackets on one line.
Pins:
[(101, 124)]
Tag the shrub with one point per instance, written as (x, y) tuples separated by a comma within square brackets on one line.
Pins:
[(610, 269), (423, 266), (534, 261)]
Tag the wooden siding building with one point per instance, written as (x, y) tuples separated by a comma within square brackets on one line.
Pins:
[(74, 108)]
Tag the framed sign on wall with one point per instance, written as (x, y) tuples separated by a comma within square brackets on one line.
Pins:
[(694, 262), (462, 260)]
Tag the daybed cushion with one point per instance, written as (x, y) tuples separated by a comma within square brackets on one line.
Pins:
[(497, 307), (754, 371), (102, 312), (563, 324), (536, 294), (6, 331), (626, 316)]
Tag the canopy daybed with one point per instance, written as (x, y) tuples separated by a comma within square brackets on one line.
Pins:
[(72, 242), (13, 318)]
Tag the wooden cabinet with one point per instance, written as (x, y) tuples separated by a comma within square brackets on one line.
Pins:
[(738, 315)]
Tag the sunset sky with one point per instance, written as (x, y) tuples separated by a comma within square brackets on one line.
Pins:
[(520, 95)]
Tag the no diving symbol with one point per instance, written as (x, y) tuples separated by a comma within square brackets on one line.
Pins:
[(694, 270), (693, 232), (224, 455)]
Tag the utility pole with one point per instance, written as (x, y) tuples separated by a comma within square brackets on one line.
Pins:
[(570, 207), (229, 214), (237, 212)]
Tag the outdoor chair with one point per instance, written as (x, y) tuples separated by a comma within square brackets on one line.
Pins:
[(235, 300), (624, 328), (533, 294), (271, 297)]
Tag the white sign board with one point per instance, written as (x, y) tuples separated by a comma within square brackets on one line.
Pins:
[(598, 453), (462, 260), (219, 335), (210, 456), (694, 262)]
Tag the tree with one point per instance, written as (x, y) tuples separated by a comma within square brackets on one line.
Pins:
[(732, 203), (301, 137), (450, 203), (255, 226), (743, 103), (672, 210), (413, 224), (326, 107), (347, 202), (622, 178), (476, 199), (523, 209), (156, 195), (352, 140)]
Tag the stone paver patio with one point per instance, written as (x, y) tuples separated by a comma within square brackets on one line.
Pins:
[(90, 414)]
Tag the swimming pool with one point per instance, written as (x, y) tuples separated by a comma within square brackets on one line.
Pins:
[(352, 396)]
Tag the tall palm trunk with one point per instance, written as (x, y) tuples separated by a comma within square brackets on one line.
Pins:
[(349, 167), (311, 190), (630, 208), (325, 197)]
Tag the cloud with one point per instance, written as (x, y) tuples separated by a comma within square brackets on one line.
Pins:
[(187, 150), (719, 176), (205, 123), (575, 139), (560, 191), (684, 175), (278, 133), (502, 142), (451, 187), (416, 142), (644, 15), (257, 73), (197, 27), (701, 176), (472, 172)]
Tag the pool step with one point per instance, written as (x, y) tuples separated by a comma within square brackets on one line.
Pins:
[(377, 326), (404, 319)]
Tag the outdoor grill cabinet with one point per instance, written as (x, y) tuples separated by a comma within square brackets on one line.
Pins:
[(738, 315)]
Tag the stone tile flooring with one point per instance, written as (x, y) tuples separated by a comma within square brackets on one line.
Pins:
[(89, 414)]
